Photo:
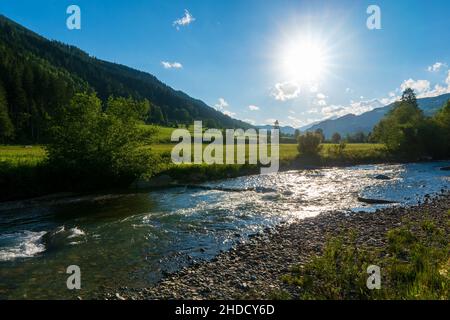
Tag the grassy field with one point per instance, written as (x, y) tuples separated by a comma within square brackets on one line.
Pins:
[(161, 144), (21, 155), (288, 152)]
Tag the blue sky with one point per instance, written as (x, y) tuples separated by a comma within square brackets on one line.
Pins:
[(243, 57)]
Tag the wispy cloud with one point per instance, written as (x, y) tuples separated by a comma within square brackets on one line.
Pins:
[(253, 107), (171, 65), (270, 120), (221, 104), (437, 67), (184, 21), (420, 86), (285, 91), (423, 88), (355, 108), (229, 113)]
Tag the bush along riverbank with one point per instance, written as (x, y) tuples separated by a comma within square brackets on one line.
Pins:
[(325, 257)]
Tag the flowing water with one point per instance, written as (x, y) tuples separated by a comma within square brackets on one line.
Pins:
[(134, 239)]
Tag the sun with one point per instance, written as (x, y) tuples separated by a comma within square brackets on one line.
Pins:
[(304, 62)]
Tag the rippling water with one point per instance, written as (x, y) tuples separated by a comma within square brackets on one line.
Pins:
[(133, 239)]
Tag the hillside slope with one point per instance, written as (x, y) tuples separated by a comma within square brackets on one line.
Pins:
[(39, 75)]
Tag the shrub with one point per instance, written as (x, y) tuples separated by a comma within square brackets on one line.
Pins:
[(93, 147), (309, 144), (337, 150)]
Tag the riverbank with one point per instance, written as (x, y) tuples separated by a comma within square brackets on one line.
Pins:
[(24, 173), (255, 269)]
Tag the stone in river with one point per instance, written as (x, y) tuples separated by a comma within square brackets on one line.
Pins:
[(382, 177), (374, 201)]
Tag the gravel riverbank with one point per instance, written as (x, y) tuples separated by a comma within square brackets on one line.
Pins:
[(253, 269)]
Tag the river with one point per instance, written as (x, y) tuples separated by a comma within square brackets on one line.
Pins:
[(134, 239)]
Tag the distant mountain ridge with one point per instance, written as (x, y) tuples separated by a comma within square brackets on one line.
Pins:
[(283, 129), (351, 123), (365, 122)]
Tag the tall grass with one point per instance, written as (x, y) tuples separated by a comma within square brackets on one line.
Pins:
[(415, 264)]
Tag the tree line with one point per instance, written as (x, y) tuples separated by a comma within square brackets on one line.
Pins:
[(405, 131), (408, 133)]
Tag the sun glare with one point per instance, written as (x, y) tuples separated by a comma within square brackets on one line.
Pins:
[(304, 61)]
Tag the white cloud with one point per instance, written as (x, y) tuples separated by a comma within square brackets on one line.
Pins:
[(419, 86), (253, 107), (386, 101), (437, 91), (314, 88), (364, 106), (348, 90), (171, 65), (251, 121), (221, 104), (437, 67), (229, 113), (286, 91), (270, 121), (356, 108), (423, 87), (295, 122), (184, 21), (319, 100), (321, 103), (333, 110)]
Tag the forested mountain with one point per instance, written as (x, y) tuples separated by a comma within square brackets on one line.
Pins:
[(38, 76)]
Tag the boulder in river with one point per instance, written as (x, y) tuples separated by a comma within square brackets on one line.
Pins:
[(382, 177), (374, 201)]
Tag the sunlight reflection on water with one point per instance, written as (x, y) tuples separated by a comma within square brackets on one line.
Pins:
[(133, 240)]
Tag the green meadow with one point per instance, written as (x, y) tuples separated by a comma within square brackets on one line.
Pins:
[(358, 152), (21, 155)]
